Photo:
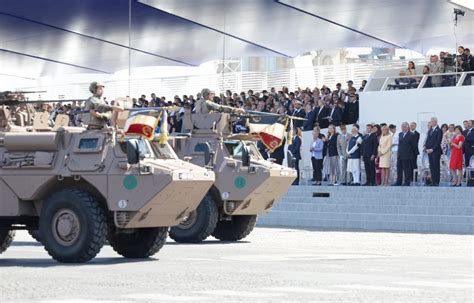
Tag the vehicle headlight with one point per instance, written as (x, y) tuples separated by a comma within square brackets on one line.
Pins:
[(283, 173), (185, 176), (225, 195)]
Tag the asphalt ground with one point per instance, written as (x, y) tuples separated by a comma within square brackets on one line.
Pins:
[(271, 265)]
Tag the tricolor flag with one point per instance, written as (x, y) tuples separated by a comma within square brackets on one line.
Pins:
[(271, 129), (140, 125)]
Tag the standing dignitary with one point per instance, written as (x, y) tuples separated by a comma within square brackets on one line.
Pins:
[(342, 142), (406, 153), (469, 145), (433, 149), (354, 154), (295, 148), (416, 135), (369, 153)]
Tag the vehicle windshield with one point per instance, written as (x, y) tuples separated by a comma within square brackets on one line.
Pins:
[(148, 152), (235, 149)]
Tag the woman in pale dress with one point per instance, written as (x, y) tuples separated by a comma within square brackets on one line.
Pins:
[(385, 154)]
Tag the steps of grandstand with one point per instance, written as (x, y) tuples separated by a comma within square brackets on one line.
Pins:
[(395, 209)]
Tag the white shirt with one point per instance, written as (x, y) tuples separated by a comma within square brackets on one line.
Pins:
[(394, 143)]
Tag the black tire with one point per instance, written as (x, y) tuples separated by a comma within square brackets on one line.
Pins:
[(6, 239), (35, 234), (204, 221), (79, 214), (138, 243), (236, 229)]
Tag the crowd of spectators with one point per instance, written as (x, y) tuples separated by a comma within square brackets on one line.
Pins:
[(390, 157), (438, 64), (320, 106)]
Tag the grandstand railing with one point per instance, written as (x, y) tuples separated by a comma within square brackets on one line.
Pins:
[(421, 81)]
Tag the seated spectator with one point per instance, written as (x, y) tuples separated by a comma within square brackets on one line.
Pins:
[(426, 71), (405, 82), (411, 70)]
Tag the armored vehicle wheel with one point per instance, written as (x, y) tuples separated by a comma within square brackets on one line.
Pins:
[(6, 239), (199, 224), (73, 226), (35, 234), (139, 242), (236, 229)]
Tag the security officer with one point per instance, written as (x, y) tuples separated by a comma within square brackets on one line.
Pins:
[(99, 111)]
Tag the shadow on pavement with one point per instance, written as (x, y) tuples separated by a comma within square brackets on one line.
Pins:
[(44, 263), (210, 242), (26, 243)]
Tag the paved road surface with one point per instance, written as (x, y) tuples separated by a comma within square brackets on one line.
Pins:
[(274, 265)]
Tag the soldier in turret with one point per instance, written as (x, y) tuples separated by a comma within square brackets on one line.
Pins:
[(99, 111)]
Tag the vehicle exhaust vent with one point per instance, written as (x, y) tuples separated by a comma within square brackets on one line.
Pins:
[(320, 195), (122, 218)]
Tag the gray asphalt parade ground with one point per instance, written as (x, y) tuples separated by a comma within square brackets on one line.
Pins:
[(271, 265)]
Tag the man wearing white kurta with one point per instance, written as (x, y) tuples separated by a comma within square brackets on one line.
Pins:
[(353, 150)]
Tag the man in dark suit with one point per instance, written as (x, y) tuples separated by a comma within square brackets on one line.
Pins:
[(298, 112), (351, 114), (406, 152), (310, 117), (416, 135), (335, 114), (369, 153), (262, 149), (323, 115), (295, 148), (468, 146), (279, 153), (433, 149)]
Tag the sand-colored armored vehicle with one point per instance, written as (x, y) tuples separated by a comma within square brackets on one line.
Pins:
[(246, 185), (81, 187)]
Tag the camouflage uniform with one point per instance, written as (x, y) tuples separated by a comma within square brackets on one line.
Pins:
[(98, 105)]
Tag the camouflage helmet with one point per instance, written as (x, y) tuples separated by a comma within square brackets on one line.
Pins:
[(94, 85), (206, 92)]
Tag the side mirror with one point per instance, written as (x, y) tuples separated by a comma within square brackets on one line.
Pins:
[(245, 156), (291, 159), (208, 152), (135, 151)]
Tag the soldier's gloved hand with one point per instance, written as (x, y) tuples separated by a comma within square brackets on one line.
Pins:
[(106, 116)]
